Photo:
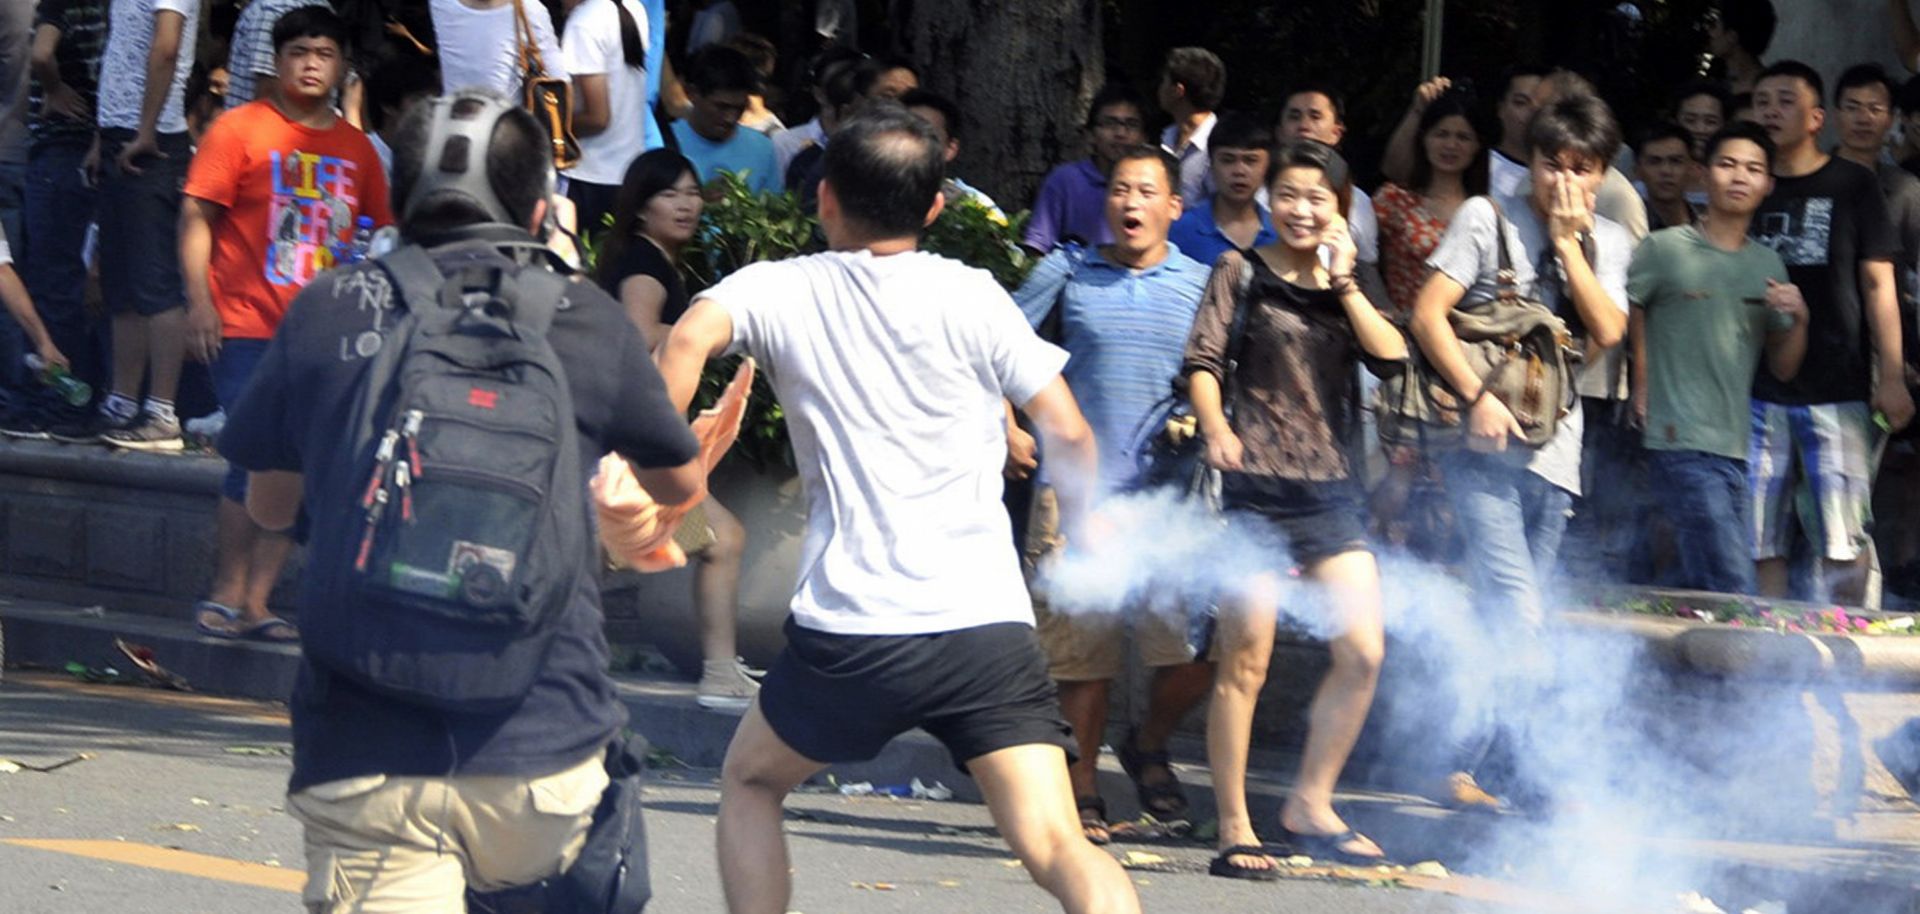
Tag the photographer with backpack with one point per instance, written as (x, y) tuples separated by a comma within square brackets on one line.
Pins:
[(454, 726)]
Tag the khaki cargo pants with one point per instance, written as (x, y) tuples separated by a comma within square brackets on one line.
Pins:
[(412, 845)]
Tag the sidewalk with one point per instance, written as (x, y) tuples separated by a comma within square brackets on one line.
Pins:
[(1881, 874)]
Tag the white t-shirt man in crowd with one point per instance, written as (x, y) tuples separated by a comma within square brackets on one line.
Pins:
[(892, 366), (479, 47)]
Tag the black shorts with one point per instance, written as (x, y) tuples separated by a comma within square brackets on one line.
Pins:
[(139, 221), (840, 698), (1319, 519)]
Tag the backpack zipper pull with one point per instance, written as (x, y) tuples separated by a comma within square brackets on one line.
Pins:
[(403, 480), (411, 431), (373, 525), (381, 458)]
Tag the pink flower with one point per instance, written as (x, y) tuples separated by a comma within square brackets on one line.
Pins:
[(1861, 624), (1736, 623), (1795, 627)]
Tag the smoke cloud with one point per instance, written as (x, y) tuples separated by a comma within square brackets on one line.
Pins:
[(1639, 760)]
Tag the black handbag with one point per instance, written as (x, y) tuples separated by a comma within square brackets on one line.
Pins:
[(1171, 452), (610, 874)]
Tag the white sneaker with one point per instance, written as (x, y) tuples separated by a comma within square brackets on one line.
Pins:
[(725, 686)]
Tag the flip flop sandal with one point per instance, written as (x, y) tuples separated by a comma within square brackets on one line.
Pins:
[(1224, 866), (273, 630), (1093, 815), (1328, 847), (203, 624), (1162, 801)]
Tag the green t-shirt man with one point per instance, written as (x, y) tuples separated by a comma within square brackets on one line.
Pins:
[(1706, 329)]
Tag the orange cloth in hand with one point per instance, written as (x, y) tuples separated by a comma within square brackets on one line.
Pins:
[(637, 530)]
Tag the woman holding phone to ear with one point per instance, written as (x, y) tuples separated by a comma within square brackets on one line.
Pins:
[(1283, 460)]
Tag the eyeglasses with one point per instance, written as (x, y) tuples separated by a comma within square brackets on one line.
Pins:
[(1862, 108)]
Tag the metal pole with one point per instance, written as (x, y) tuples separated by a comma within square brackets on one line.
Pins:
[(1430, 47)]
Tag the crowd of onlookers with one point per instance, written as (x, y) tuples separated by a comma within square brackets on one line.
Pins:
[(1733, 299)]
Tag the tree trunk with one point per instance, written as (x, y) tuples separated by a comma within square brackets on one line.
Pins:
[(1022, 73)]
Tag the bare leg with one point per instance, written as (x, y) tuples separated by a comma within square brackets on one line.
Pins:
[(1031, 799), (1176, 690), (1340, 706), (1771, 576), (1246, 645), (716, 585), (1084, 705), (166, 348), (129, 354), (759, 772), (268, 557), (233, 545)]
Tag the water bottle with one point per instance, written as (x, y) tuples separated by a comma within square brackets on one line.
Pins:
[(384, 241), (67, 387), (362, 239)]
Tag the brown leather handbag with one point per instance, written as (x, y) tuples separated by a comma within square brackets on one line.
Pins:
[(549, 97)]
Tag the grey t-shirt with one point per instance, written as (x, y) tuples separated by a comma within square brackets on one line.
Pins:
[(1467, 255)]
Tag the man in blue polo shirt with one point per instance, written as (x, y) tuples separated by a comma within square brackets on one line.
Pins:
[(1233, 217), (1124, 311), (1071, 205), (718, 81)]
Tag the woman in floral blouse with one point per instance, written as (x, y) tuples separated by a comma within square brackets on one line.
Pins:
[(1451, 166)]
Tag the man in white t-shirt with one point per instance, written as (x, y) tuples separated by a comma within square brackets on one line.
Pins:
[(478, 47), (144, 150), (605, 50), (891, 365)]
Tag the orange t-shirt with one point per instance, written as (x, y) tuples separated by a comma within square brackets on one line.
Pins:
[(292, 195)]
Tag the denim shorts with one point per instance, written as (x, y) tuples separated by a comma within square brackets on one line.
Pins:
[(231, 371), (1318, 519), (139, 221)]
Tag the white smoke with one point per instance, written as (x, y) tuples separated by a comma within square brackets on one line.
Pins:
[(1639, 761)]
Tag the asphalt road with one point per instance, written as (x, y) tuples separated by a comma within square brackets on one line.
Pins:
[(178, 809)]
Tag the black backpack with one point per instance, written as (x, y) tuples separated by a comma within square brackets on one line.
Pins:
[(453, 542)]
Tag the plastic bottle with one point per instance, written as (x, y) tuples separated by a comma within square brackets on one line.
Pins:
[(362, 239), (69, 388)]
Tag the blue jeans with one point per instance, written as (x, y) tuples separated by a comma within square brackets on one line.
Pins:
[(1707, 499), (59, 206), (232, 371), (1511, 522)]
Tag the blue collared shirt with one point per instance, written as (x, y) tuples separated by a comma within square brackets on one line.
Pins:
[(1125, 332), (1200, 237)]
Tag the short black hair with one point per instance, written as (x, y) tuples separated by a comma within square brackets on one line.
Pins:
[(519, 165), (1201, 73), (1334, 98), (1115, 93), (841, 84), (1663, 130), (318, 21), (399, 77), (1742, 130), (1519, 71), (949, 111), (1580, 124), (1239, 130), (1318, 156), (870, 70), (760, 51), (1798, 70), (885, 167), (832, 56), (1865, 74), (718, 68), (1144, 151), (1908, 98), (1752, 20), (1708, 87)]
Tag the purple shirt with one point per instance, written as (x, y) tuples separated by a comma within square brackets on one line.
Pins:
[(1072, 203)]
